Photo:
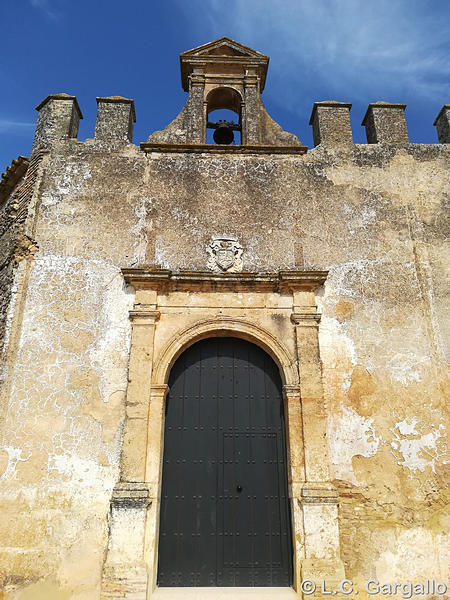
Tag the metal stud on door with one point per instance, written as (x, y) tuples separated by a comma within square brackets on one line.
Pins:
[(224, 506)]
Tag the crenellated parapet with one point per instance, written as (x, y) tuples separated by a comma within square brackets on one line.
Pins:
[(385, 123), (225, 75), (59, 116)]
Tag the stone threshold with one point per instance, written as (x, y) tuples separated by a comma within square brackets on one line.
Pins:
[(223, 593)]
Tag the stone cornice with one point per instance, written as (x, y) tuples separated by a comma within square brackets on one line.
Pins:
[(142, 278), (319, 493), (144, 316), (220, 149), (242, 57), (131, 495), (303, 318), (291, 391)]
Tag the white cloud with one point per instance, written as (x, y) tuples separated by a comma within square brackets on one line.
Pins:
[(18, 127), (44, 5), (352, 49)]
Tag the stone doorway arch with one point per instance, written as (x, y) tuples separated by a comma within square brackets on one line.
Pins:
[(172, 311)]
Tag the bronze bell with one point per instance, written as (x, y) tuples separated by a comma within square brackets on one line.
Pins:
[(223, 133)]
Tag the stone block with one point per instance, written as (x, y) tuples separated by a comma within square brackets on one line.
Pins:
[(58, 119), (442, 124), (385, 122), (331, 123), (115, 119)]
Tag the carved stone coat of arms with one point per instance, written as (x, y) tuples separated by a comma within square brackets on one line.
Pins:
[(224, 255)]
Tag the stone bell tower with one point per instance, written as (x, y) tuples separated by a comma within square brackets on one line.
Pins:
[(224, 75)]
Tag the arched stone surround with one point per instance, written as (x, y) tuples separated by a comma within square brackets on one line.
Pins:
[(173, 311)]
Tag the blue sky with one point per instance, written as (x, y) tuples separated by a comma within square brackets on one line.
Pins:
[(347, 50)]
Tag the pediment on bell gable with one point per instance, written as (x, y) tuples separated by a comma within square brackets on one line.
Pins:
[(223, 55), (223, 46)]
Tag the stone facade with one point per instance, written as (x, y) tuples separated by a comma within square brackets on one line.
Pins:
[(105, 280)]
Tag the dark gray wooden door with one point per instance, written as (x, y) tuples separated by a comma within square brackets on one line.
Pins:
[(224, 503)]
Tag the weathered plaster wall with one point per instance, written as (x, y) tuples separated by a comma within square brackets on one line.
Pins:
[(373, 215)]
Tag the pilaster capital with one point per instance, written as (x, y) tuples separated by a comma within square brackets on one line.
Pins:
[(144, 316), (319, 493), (291, 391), (306, 319), (131, 494), (159, 390), (197, 79), (251, 80)]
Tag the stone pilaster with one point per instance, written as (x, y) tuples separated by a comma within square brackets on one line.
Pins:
[(294, 428), (306, 322), (155, 434), (442, 124), (134, 447), (251, 114), (296, 473), (331, 123), (385, 122), (318, 497), (126, 569), (196, 130), (322, 562), (125, 572), (153, 476)]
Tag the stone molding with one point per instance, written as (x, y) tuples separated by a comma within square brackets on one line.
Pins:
[(306, 319), (291, 391), (153, 352), (318, 493), (223, 325), (144, 317), (221, 149), (203, 55), (160, 390), (142, 278), (131, 495)]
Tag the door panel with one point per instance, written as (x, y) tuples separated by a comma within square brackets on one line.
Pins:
[(224, 503)]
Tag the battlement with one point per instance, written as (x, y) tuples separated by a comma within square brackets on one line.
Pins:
[(58, 119), (225, 74), (385, 123)]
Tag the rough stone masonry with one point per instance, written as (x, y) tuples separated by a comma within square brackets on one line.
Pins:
[(332, 259)]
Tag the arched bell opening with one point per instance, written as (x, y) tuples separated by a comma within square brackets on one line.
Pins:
[(223, 114)]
